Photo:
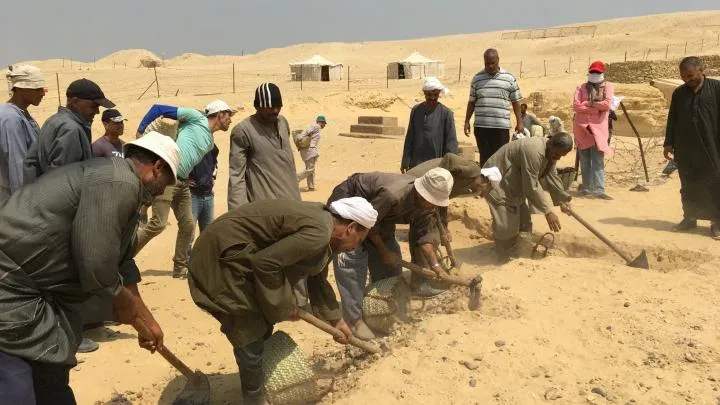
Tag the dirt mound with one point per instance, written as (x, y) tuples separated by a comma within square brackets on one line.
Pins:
[(129, 57), (644, 71), (371, 99)]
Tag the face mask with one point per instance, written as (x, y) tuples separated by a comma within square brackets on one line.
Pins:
[(596, 78)]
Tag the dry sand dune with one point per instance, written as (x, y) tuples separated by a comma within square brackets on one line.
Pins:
[(550, 331)]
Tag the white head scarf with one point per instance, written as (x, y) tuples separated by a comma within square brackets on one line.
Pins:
[(596, 78), (492, 174), (432, 83), (355, 209)]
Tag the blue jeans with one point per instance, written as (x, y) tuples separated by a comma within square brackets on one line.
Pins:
[(203, 210), (592, 167), (27, 382), (351, 271)]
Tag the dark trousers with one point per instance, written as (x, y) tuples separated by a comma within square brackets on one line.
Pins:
[(489, 140), (27, 382)]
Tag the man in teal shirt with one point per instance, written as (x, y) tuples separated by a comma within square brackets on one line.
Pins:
[(194, 138)]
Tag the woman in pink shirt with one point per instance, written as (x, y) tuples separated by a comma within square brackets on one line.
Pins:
[(592, 109)]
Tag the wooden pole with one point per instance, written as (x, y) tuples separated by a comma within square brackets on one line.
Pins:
[(545, 66), (460, 70), (387, 77), (233, 78), (685, 54), (93, 62), (177, 92), (148, 88), (647, 54), (157, 84), (348, 84), (667, 50), (625, 55), (63, 62), (57, 81), (569, 63), (521, 68), (301, 76), (637, 134)]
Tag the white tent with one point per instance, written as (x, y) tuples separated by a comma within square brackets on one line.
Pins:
[(317, 69), (415, 66)]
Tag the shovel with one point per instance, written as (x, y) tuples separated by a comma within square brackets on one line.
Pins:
[(197, 389), (454, 263), (640, 262), (317, 322), (474, 284)]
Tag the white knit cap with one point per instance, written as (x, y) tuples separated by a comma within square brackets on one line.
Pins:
[(492, 174), (161, 145), (433, 83), (355, 209), (25, 77), (435, 186)]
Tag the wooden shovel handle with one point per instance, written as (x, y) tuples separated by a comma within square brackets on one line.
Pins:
[(431, 274), (140, 326), (318, 323)]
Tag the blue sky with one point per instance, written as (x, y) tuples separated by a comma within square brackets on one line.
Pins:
[(83, 29)]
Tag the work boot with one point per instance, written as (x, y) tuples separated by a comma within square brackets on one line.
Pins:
[(685, 225), (362, 331), (715, 230), (254, 397), (87, 346), (424, 290)]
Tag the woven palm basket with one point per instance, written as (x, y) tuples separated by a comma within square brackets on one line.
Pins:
[(289, 380), (567, 176), (385, 302)]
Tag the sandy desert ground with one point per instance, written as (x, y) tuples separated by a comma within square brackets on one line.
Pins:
[(576, 327)]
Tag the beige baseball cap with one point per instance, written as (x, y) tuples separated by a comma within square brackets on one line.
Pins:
[(161, 145), (435, 186), (25, 77)]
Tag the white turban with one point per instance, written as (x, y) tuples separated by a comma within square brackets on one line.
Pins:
[(432, 83), (492, 174), (355, 209)]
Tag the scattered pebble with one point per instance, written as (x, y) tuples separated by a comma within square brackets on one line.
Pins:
[(209, 363), (499, 343), (690, 358), (471, 365), (139, 395), (447, 332), (535, 374), (609, 327), (221, 366), (552, 394), (627, 304), (406, 371), (599, 391), (478, 357), (473, 382), (548, 375)]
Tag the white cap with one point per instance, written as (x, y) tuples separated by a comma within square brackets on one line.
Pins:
[(492, 174), (25, 77), (161, 145), (433, 83), (435, 186), (355, 209), (217, 106)]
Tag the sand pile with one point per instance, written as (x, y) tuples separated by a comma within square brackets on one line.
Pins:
[(371, 99), (129, 57)]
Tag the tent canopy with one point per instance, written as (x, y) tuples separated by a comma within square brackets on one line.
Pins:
[(417, 57), (316, 60)]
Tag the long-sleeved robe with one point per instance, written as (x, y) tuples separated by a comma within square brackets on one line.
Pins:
[(525, 173), (693, 131), (262, 166), (18, 132), (64, 238), (430, 135), (245, 263)]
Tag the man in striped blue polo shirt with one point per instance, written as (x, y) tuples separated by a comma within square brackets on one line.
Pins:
[(491, 93)]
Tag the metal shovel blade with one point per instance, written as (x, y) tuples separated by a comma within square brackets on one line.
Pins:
[(196, 391), (640, 262)]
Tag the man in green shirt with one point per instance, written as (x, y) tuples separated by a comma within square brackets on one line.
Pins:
[(245, 264)]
